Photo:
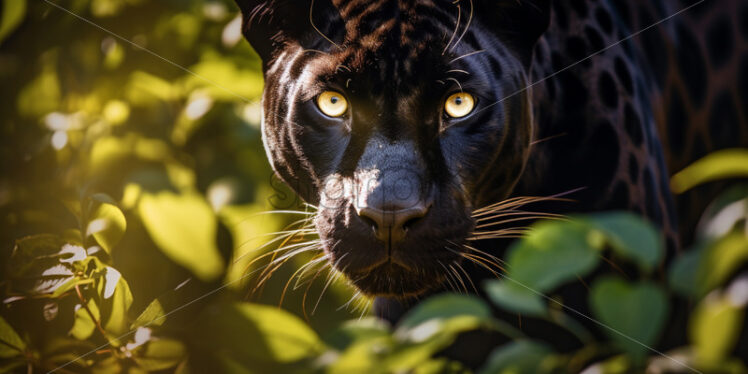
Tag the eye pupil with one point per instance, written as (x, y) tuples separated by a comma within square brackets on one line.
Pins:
[(332, 103), (459, 104)]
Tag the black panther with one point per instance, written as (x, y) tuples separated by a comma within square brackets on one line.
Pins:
[(400, 119)]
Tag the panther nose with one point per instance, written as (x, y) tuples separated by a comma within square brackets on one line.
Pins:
[(391, 225)]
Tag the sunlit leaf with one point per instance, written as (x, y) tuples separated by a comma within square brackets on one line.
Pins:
[(225, 80), (12, 14), (723, 258), (435, 324), (106, 8), (259, 334), (116, 298), (10, 343), (709, 265), (634, 313), (440, 366), (631, 237), (107, 224), (184, 228), (160, 354), (364, 356), (521, 356), (110, 365), (723, 164), (357, 330), (83, 325), (154, 314), (145, 89), (42, 264), (110, 151), (714, 328), (41, 95)]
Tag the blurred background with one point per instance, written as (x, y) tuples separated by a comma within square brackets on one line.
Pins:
[(95, 127)]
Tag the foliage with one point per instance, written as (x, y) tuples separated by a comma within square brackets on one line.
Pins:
[(132, 195)]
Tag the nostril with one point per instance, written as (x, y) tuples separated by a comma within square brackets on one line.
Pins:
[(410, 222), (369, 222)]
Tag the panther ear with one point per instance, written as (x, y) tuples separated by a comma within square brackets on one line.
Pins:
[(269, 25), (520, 23)]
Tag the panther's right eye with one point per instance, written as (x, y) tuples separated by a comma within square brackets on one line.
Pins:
[(332, 103)]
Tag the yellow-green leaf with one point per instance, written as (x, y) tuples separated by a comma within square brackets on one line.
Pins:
[(83, 325), (160, 354), (184, 228), (12, 13), (10, 343), (116, 298), (728, 163), (107, 224), (714, 328)]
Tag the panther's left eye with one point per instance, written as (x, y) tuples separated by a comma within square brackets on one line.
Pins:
[(332, 103), (459, 104)]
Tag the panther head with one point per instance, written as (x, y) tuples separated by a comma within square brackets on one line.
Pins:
[(396, 118)]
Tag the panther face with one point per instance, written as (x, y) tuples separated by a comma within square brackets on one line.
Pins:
[(396, 119)]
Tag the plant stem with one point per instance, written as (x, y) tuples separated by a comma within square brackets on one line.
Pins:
[(90, 314)]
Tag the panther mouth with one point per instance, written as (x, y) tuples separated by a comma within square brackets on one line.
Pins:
[(390, 279)]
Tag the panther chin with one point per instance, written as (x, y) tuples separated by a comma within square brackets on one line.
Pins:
[(393, 280)]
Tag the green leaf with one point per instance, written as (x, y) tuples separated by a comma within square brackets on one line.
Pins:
[(153, 315), (10, 343), (709, 265), (442, 307), (364, 356), (160, 354), (723, 258), (440, 366), (13, 13), (552, 254), (715, 328), (184, 228), (354, 331), (116, 298), (521, 356), (633, 313), (42, 264), (433, 325), (515, 298), (630, 236), (107, 224), (683, 273), (83, 325), (41, 95), (728, 163), (256, 333)]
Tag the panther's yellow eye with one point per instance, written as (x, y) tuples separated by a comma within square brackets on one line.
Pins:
[(332, 103), (459, 104)]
